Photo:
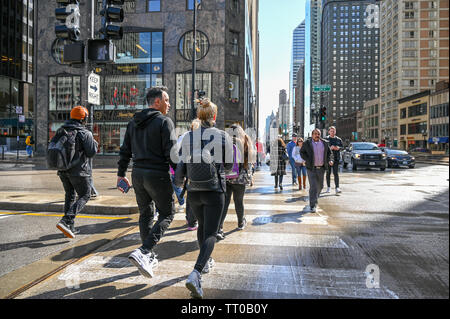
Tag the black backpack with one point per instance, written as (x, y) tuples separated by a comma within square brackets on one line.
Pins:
[(202, 176), (61, 150)]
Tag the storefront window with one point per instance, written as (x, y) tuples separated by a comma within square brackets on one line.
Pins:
[(64, 92)]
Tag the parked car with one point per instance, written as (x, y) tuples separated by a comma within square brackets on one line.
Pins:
[(364, 154), (420, 149), (398, 158)]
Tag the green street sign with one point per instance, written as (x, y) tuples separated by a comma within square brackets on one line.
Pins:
[(322, 88)]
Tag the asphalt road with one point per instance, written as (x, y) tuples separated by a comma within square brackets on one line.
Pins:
[(394, 223)]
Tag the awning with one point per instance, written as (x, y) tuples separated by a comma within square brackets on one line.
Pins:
[(442, 139)]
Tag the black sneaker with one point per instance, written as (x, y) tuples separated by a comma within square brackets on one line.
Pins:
[(68, 230), (220, 235), (242, 224)]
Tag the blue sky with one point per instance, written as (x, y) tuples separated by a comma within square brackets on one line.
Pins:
[(277, 21)]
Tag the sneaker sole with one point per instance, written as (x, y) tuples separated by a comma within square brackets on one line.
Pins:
[(65, 231), (142, 271), (193, 290)]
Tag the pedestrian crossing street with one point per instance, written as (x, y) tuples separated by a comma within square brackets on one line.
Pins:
[(283, 252)]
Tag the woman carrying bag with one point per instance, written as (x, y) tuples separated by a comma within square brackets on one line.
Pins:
[(278, 162), (299, 164)]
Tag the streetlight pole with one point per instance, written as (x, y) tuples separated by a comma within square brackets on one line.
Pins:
[(194, 62)]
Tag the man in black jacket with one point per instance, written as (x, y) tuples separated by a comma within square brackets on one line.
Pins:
[(149, 138), (335, 146), (317, 154), (77, 179)]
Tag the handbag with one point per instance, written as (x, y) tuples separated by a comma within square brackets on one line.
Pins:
[(284, 155)]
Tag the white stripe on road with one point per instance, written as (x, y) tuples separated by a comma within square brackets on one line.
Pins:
[(270, 207), (262, 239), (4, 216), (301, 281), (266, 219)]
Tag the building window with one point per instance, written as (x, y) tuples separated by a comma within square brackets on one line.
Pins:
[(64, 92), (185, 45), (183, 99), (153, 5), (234, 43), (417, 128), (190, 4), (233, 87), (128, 7)]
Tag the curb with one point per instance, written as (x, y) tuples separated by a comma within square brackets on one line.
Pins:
[(59, 208)]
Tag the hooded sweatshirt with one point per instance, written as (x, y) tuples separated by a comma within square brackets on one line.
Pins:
[(148, 140), (86, 148)]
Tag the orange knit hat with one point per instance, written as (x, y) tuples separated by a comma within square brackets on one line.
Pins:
[(79, 113)]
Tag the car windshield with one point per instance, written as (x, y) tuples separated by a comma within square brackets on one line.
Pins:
[(365, 147), (396, 152)]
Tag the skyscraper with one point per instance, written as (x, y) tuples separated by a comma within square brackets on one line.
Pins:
[(411, 60), (312, 61), (350, 57), (298, 55)]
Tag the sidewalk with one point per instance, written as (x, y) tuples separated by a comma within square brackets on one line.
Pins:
[(41, 190), (427, 158)]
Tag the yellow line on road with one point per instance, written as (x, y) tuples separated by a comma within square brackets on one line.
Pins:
[(60, 215)]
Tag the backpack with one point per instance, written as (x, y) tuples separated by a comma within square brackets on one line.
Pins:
[(61, 150), (235, 171), (203, 176)]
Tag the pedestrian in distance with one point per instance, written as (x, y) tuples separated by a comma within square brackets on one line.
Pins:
[(149, 139), (290, 147), (239, 177), (205, 167), (70, 152), (299, 164), (278, 159), (335, 146), (317, 154), (29, 141)]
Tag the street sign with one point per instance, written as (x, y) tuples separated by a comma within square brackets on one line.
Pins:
[(322, 88), (94, 89), (21, 118), (19, 109)]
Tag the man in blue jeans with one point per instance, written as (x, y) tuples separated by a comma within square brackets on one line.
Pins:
[(290, 147)]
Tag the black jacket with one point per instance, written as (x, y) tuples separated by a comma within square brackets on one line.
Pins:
[(222, 168), (336, 141), (85, 149), (148, 140), (307, 153)]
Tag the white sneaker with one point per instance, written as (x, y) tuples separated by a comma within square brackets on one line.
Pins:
[(338, 190), (209, 265), (144, 262), (309, 209), (328, 190), (193, 283)]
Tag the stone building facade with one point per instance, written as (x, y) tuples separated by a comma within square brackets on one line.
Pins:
[(156, 49)]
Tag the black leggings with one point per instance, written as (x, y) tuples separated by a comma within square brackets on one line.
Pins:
[(238, 192), (278, 180), (207, 208)]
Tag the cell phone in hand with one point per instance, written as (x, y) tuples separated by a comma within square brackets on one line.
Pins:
[(124, 185)]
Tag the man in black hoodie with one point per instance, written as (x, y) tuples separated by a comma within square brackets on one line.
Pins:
[(148, 140), (77, 179)]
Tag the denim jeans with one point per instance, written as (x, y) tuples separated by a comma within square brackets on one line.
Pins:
[(208, 208), (178, 191), (301, 170), (294, 170), (149, 187), (74, 185)]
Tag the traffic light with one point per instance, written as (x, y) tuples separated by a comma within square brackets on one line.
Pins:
[(101, 51), (112, 13), (323, 114), (68, 12)]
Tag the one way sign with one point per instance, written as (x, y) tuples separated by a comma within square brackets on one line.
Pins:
[(94, 89)]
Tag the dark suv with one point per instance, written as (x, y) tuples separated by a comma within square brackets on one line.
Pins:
[(364, 154)]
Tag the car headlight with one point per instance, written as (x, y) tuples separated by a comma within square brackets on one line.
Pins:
[(393, 157), (384, 156), (413, 158), (357, 156)]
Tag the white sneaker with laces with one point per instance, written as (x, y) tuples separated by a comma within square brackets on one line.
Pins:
[(328, 190), (144, 262), (209, 265), (338, 190), (193, 283)]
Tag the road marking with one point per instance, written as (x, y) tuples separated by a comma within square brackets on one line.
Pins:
[(60, 215), (301, 281), (271, 207), (262, 239)]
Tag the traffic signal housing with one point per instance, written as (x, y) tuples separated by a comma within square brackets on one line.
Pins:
[(112, 14), (101, 51), (68, 12), (323, 114)]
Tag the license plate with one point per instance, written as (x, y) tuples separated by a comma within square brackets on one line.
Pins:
[(405, 162), (371, 163)]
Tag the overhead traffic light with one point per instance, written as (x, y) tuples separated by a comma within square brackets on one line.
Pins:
[(323, 114), (112, 14), (68, 12)]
